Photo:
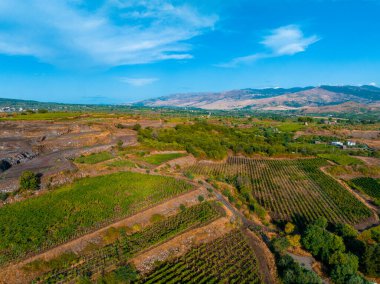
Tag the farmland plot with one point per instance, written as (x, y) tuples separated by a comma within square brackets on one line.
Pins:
[(35, 224), (294, 190), (228, 259)]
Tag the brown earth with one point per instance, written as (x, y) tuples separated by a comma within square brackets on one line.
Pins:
[(52, 144), (370, 161)]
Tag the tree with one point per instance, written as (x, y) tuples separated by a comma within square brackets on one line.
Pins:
[(119, 144), (4, 196), (182, 207), (372, 260), (321, 222), (345, 231), (136, 127), (344, 267), (294, 241), (322, 243), (289, 228), (280, 244), (29, 181), (292, 273), (201, 198)]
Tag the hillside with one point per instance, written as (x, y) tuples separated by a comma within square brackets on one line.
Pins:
[(336, 98)]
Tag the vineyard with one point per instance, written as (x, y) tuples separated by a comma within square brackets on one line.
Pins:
[(294, 190), (368, 185), (107, 258), (35, 224), (228, 259)]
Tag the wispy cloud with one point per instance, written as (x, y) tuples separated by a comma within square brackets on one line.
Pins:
[(120, 32), (138, 82), (286, 40)]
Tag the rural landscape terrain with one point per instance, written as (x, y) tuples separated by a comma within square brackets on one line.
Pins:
[(189, 141), (128, 194)]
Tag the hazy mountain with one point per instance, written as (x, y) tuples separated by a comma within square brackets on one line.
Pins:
[(340, 97)]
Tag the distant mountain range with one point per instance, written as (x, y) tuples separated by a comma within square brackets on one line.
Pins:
[(307, 99)]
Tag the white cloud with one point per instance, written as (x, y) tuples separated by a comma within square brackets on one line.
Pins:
[(120, 32), (373, 84), (138, 82), (286, 40), (243, 60)]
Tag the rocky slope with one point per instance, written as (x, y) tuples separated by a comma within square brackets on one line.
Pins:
[(329, 97)]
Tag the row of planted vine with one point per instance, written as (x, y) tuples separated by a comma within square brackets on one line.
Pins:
[(228, 259), (36, 224), (294, 190), (104, 259)]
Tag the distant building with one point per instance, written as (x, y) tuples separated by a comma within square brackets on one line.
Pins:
[(337, 143), (351, 143)]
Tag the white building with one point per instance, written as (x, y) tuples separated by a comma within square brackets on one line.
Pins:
[(337, 143)]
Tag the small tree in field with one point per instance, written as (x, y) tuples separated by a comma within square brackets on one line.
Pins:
[(29, 181), (136, 127)]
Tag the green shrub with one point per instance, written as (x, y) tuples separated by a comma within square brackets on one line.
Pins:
[(29, 181), (4, 196)]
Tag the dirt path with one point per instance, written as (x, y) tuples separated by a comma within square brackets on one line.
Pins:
[(267, 264), (371, 221), (15, 274)]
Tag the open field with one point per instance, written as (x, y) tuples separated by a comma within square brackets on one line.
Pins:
[(55, 217), (158, 159), (94, 158), (343, 160), (290, 189)]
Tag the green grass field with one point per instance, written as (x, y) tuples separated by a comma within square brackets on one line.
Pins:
[(159, 159), (55, 217), (343, 160), (94, 158), (121, 163)]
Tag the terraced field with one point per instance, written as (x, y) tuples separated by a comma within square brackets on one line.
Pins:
[(294, 190), (228, 259), (369, 186), (95, 263), (35, 224)]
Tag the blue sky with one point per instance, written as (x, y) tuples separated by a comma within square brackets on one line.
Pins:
[(116, 51)]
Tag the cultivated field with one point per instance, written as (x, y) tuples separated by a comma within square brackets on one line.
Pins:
[(294, 190), (38, 223), (125, 245), (228, 259)]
